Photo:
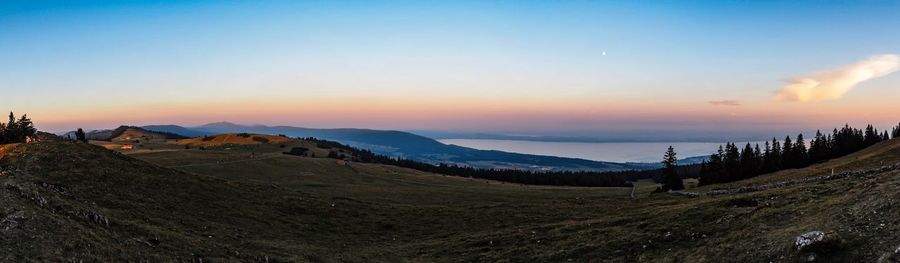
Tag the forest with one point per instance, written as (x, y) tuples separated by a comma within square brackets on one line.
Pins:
[(731, 164)]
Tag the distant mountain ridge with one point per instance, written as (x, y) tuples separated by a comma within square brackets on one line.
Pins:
[(412, 146), (109, 134)]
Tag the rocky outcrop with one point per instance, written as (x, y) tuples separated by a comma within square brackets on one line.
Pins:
[(817, 241)]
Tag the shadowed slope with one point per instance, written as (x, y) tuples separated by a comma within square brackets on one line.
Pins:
[(75, 201)]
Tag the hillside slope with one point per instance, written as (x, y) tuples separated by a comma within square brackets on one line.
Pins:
[(67, 201), (234, 138), (459, 221)]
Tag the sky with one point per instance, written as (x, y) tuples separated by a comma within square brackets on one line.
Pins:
[(554, 68)]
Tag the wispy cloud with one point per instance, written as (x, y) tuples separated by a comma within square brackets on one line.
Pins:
[(725, 103), (835, 83)]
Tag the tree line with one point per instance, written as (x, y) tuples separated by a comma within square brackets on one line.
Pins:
[(731, 163), (16, 130), (556, 178)]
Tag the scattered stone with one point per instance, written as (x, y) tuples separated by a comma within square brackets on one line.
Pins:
[(11, 221), (817, 242), (890, 257)]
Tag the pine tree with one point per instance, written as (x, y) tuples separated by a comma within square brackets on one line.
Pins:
[(671, 180), (714, 171), (896, 132), (3, 139), (787, 156), (871, 136), (757, 160), (766, 166), (817, 148), (748, 164), (25, 128), (777, 156), (801, 156), (12, 130), (732, 162)]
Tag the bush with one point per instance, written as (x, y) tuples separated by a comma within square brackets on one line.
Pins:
[(298, 151)]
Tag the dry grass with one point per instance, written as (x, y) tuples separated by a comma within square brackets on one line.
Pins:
[(288, 208), (234, 139)]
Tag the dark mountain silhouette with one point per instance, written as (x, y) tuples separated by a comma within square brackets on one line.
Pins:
[(176, 130)]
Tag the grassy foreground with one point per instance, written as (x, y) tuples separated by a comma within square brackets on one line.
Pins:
[(249, 203)]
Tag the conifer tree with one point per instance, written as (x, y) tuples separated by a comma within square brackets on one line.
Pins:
[(25, 127), (896, 132), (766, 166), (871, 136), (732, 162), (801, 156), (757, 160), (671, 180), (787, 156), (777, 156), (748, 164), (714, 170), (12, 128)]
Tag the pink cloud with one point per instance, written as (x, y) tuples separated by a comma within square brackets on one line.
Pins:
[(725, 103), (836, 83)]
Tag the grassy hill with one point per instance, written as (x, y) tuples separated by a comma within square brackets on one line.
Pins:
[(234, 138), (225, 204), (131, 134)]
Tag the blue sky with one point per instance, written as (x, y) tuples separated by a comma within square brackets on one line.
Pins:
[(523, 67)]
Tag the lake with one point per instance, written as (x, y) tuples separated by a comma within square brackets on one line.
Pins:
[(601, 151)]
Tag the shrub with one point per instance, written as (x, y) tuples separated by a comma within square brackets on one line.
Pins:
[(299, 151)]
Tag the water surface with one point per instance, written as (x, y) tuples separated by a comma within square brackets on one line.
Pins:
[(603, 151)]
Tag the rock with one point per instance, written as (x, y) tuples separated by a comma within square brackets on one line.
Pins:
[(890, 257), (817, 242)]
